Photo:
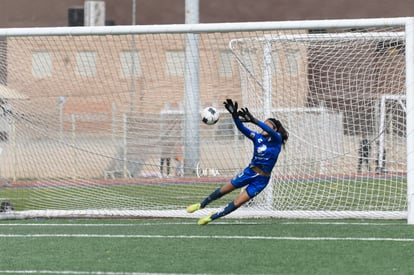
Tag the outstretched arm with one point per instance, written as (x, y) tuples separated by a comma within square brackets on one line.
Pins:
[(232, 109), (245, 114), (243, 129), (269, 130)]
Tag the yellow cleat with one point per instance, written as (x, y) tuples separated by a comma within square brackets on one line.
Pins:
[(194, 207), (205, 220)]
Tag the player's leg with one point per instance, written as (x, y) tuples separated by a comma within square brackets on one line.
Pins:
[(367, 163), (168, 163), (238, 201), (161, 166), (216, 194), (359, 164), (257, 184), (240, 180)]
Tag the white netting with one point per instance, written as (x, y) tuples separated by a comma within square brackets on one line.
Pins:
[(88, 119), (332, 90)]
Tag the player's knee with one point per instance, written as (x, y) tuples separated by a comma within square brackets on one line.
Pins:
[(242, 198)]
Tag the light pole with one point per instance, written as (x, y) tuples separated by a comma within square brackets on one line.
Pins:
[(132, 91), (134, 5), (191, 92)]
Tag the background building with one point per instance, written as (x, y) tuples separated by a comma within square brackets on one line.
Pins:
[(49, 13), (88, 83)]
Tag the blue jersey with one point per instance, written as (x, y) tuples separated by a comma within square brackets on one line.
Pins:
[(266, 149)]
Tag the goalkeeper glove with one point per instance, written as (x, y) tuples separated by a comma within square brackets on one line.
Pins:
[(231, 107), (247, 116)]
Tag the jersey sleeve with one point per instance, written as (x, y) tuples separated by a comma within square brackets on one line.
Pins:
[(243, 129)]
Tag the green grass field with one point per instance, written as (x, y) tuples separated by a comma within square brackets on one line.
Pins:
[(226, 246), (331, 194)]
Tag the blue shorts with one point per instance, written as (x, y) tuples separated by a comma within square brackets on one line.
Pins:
[(254, 181)]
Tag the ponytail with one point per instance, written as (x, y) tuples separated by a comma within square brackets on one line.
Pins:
[(282, 131)]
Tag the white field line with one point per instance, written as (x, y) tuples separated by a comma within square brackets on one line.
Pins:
[(83, 272), (192, 223), (107, 236), (68, 272)]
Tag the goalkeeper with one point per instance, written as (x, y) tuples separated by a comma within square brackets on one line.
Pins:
[(267, 146)]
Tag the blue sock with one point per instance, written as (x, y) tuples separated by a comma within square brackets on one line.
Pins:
[(227, 210), (213, 196)]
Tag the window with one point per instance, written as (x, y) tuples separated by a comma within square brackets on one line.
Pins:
[(226, 129), (292, 56), (275, 63), (249, 59), (225, 66), (130, 63), (175, 63), (41, 64), (86, 63)]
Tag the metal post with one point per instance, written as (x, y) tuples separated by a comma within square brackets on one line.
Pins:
[(191, 93), (133, 47), (409, 83)]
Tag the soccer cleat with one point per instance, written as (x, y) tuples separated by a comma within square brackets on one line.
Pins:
[(205, 220), (194, 207)]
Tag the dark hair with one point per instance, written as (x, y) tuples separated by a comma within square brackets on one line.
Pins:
[(282, 131)]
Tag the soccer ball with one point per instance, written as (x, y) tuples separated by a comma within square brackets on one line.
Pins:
[(210, 115)]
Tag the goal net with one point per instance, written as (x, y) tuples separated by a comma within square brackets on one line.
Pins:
[(105, 121)]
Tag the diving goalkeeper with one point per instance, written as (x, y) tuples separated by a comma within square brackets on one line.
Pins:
[(267, 146)]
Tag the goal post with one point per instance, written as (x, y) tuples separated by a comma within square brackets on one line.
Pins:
[(409, 57), (108, 122)]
